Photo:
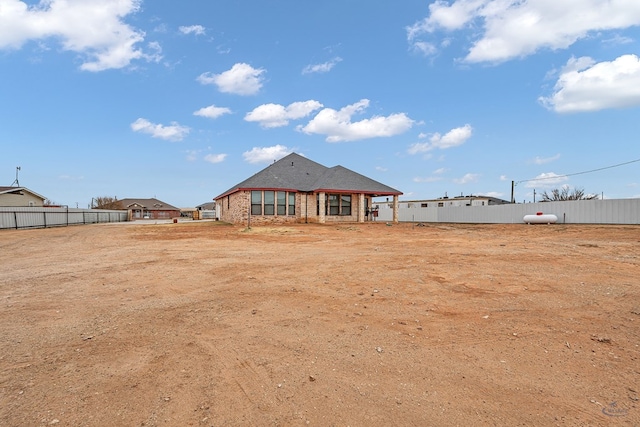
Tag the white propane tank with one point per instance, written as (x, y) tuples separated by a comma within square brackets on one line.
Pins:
[(540, 218)]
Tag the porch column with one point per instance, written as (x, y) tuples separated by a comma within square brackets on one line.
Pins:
[(361, 208), (395, 209), (321, 201)]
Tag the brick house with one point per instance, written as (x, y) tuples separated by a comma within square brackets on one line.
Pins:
[(149, 209), (298, 190)]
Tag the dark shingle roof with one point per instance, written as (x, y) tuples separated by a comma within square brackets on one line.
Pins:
[(207, 206), (149, 204), (297, 173)]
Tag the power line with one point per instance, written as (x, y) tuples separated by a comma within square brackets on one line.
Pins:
[(579, 173)]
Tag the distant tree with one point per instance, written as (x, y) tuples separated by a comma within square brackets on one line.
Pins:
[(106, 202), (566, 193)]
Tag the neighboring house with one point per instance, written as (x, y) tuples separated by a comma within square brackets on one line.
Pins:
[(19, 197), (445, 202), (207, 210), (149, 209), (296, 189), (209, 206)]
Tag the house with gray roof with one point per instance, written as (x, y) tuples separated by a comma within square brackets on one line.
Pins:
[(296, 189), (149, 209)]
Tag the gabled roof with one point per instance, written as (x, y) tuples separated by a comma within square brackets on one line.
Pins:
[(297, 173), (208, 206), (19, 190), (149, 204)]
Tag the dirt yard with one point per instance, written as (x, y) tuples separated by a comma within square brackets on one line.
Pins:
[(205, 324)]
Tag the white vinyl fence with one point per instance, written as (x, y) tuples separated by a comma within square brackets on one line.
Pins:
[(207, 214), (27, 217), (618, 211)]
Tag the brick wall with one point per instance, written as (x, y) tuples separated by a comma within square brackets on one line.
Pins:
[(235, 209)]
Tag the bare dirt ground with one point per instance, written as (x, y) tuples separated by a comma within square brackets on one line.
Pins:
[(205, 324)]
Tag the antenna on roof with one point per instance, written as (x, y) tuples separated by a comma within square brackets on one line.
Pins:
[(16, 182)]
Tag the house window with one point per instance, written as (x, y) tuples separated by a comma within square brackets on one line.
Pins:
[(345, 205), (269, 202), (334, 204), (256, 203), (292, 203), (282, 203), (424, 205), (441, 204), (337, 205), (275, 203)]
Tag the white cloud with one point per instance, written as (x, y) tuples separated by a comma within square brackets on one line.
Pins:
[(155, 52), (427, 179), (545, 160), (241, 79), (212, 112), (173, 132), (453, 138), (337, 125), (425, 48), (435, 176), (266, 154), (198, 30), (548, 179), (585, 85), (192, 155), (467, 178), (275, 115), (495, 194), (161, 28), (215, 158), (71, 178), (618, 40), (517, 28), (94, 29), (322, 68), (453, 16)]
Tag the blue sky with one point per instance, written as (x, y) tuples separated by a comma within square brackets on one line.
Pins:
[(182, 100)]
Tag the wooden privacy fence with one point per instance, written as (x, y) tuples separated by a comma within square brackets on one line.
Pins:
[(28, 217)]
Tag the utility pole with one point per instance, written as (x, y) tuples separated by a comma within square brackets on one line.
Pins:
[(534, 195), (513, 184)]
